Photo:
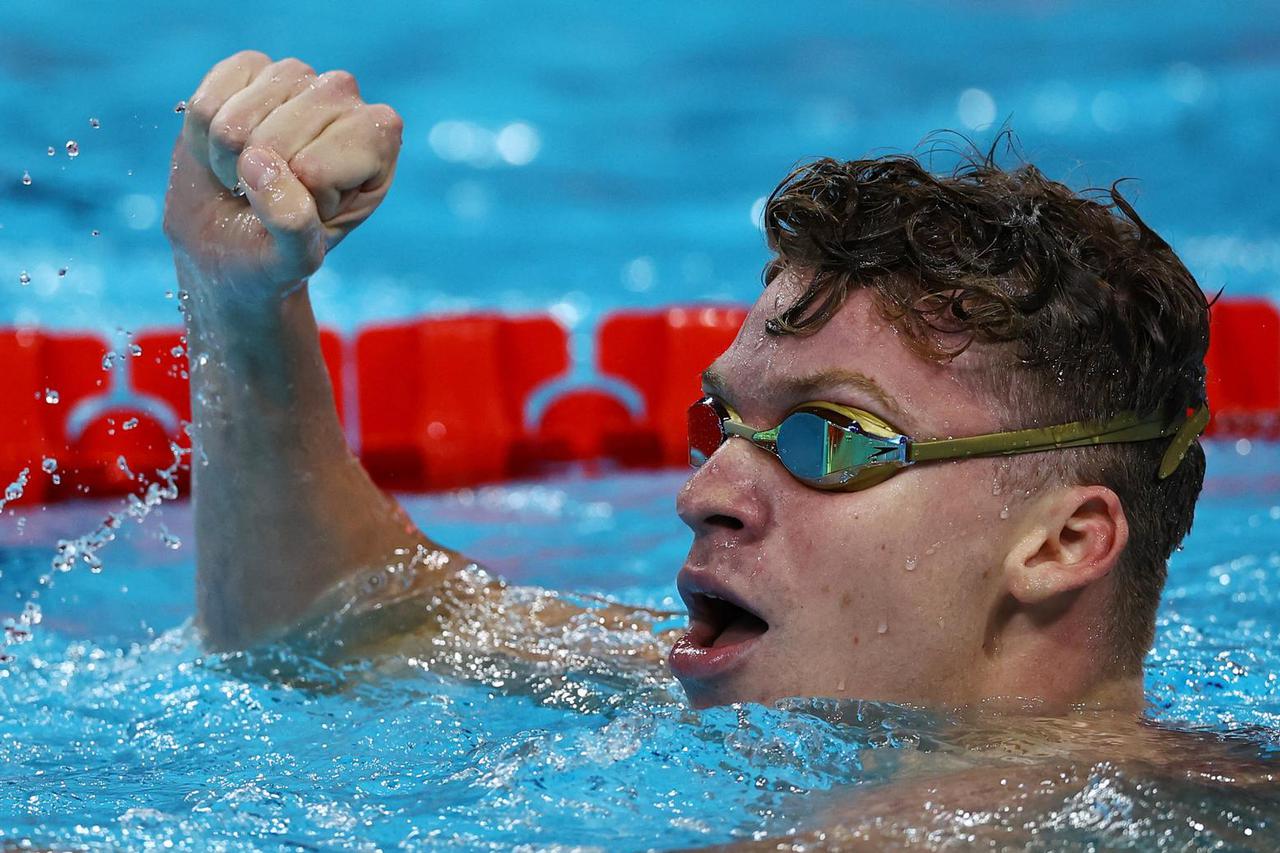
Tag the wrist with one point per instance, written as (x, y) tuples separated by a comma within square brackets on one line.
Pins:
[(234, 305)]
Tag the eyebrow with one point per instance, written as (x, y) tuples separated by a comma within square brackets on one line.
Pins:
[(814, 385)]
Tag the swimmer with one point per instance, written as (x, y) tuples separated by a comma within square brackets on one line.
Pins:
[(946, 308), (944, 462)]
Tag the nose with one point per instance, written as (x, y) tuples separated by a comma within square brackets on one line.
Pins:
[(728, 494)]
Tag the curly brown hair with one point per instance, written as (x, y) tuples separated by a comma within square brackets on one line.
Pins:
[(1072, 293)]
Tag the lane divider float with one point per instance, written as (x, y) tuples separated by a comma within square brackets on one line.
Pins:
[(445, 402)]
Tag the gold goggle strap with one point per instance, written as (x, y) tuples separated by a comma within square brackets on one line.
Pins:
[(1125, 428)]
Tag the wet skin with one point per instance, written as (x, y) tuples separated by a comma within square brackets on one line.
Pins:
[(911, 591), (930, 587)]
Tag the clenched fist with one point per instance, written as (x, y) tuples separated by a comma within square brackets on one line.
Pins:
[(275, 165)]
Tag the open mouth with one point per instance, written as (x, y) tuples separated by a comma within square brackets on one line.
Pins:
[(722, 632), (716, 623)]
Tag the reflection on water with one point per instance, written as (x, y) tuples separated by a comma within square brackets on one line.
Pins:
[(559, 732)]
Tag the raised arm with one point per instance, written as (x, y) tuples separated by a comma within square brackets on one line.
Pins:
[(274, 166)]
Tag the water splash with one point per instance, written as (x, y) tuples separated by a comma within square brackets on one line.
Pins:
[(85, 549), (15, 489)]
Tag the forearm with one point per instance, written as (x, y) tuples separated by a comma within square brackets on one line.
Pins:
[(283, 509)]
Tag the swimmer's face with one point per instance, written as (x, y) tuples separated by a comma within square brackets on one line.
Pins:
[(882, 594)]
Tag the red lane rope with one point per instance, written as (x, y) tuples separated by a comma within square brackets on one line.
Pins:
[(441, 400)]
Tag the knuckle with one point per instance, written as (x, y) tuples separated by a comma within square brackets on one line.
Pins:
[(292, 67), (386, 118), (383, 127), (201, 109), (340, 82), (248, 56), (309, 169), (242, 59), (230, 133)]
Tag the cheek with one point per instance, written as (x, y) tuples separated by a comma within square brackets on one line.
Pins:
[(940, 524)]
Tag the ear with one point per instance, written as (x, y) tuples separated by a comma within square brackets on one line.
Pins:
[(1073, 536)]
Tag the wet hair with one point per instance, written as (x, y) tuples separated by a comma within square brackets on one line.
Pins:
[(1075, 308)]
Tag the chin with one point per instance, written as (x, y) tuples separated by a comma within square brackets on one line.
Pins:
[(726, 692)]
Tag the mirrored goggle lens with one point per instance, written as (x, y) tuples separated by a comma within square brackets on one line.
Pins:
[(706, 431), (806, 443)]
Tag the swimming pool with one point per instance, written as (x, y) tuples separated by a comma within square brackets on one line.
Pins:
[(654, 131), (120, 732), (637, 144)]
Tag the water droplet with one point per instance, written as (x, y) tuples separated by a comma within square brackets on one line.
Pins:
[(73, 148), (49, 465), (123, 465), (26, 178), (1004, 512), (912, 562), (883, 629), (94, 123), (180, 107), (108, 361), (23, 278), (52, 151), (135, 350), (129, 424), (95, 232), (62, 271), (238, 190), (51, 396), (177, 352), (170, 541), (14, 490)]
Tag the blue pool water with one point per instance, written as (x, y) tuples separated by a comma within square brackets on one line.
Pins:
[(658, 126), (580, 158), (120, 732)]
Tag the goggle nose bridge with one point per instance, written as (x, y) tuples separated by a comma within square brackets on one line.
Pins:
[(767, 438)]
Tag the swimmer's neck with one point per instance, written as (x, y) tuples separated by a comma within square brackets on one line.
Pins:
[(1118, 697)]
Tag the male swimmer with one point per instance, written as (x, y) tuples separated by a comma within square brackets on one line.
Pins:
[(944, 462)]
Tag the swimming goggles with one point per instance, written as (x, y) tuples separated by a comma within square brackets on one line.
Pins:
[(828, 446)]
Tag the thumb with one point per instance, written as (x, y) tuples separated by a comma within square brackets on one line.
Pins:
[(288, 212)]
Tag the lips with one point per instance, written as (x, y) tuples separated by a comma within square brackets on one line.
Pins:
[(722, 630)]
